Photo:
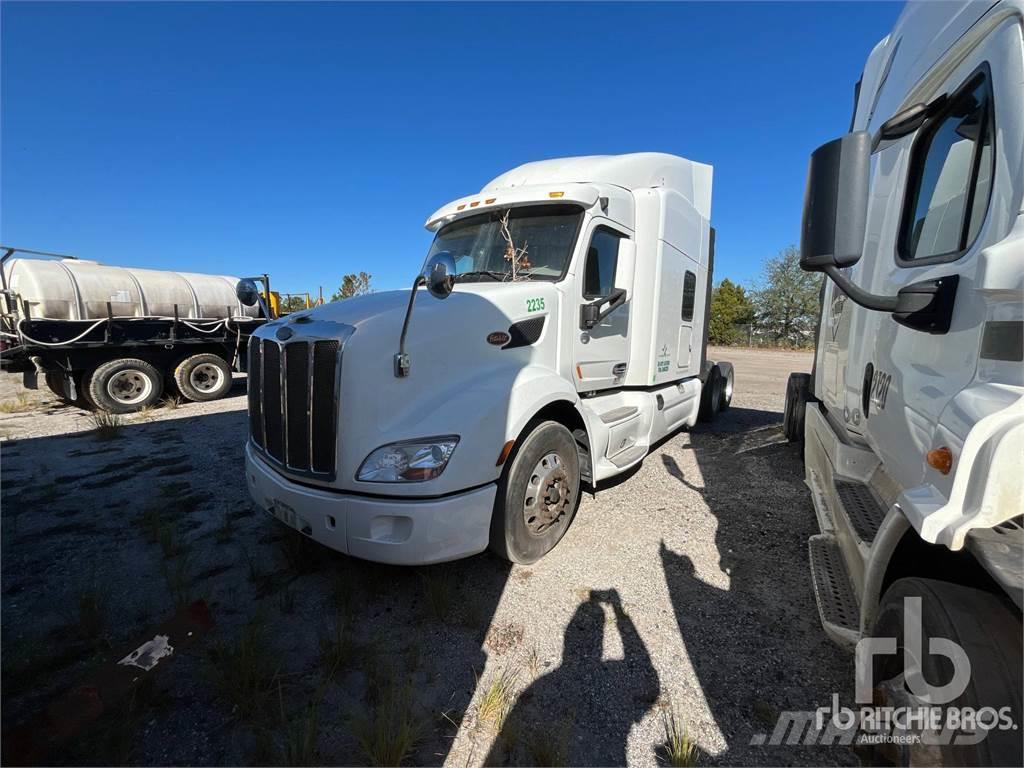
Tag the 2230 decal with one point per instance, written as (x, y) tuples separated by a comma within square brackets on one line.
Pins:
[(534, 305)]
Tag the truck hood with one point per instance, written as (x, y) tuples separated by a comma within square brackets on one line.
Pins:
[(459, 381)]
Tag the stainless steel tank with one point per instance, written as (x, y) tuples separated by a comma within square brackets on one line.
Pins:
[(75, 289)]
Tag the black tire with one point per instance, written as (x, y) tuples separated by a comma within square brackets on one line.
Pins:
[(203, 377), (728, 380), (711, 395), (797, 396), (989, 633), (57, 384), (513, 536), (125, 385)]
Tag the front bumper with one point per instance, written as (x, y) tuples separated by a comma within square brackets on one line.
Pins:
[(398, 531)]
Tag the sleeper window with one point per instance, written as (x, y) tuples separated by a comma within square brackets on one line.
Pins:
[(602, 260), (689, 295)]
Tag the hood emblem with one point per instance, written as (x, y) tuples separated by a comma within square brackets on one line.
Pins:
[(498, 338), (284, 333)]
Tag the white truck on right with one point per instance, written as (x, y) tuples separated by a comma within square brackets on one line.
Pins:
[(912, 419)]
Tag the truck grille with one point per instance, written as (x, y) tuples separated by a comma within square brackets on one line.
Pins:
[(293, 413)]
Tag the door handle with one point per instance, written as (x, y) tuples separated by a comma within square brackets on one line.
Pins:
[(619, 369)]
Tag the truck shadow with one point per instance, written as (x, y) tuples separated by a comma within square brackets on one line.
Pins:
[(728, 621), (104, 536)]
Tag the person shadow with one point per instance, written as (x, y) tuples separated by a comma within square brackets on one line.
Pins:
[(587, 700)]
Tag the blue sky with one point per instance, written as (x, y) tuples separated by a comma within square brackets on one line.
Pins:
[(309, 140)]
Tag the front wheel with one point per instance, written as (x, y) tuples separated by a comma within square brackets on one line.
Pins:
[(957, 632), (798, 390), (537, 495)]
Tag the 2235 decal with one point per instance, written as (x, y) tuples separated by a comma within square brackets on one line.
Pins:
[(534, 305)]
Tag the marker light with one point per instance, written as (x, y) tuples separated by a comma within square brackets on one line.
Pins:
[(556, 194), (940, 459), (474, 204), (410, 461), (490, 200)]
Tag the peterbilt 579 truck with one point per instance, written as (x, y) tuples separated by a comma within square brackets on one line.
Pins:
[(912, 420), (556, 332)]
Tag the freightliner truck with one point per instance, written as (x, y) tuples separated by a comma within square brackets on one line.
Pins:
[(556, 332), (912, 420)]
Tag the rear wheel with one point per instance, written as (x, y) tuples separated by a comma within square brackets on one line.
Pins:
[(711, 395), (988, 633), (58, 385), (797, 395), (125, 385), (538, 494), (203, 377)]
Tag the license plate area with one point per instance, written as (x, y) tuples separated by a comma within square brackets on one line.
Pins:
[(288, 516)]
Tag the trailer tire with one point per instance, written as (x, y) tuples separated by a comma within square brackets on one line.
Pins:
[(988, 632), (55, 382), (523, 527), (711, 395), (797, 396), (124, 385), (203, 377)]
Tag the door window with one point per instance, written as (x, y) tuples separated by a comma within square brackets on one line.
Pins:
[(602, 261), (689, 295), (950, 178)]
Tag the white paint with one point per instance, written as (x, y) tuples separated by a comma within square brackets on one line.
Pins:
[(148, 655)]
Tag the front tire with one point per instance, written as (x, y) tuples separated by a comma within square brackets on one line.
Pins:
[(538, 494), (203, 377), (711, 395), (990, 635), (125, 385)]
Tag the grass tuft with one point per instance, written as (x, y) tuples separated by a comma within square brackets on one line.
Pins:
[(245, 671), (335, 647), (19, 404), (438, 591), (389, 731), (106, 426), (300, 736), (678, 750), (171, 402), (497, 698)]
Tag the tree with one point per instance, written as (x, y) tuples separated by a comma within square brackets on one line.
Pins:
[(786, 304), (353, 285), (293, 303), (730, 308)]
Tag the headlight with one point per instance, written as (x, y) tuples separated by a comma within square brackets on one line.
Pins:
[(410, 461)]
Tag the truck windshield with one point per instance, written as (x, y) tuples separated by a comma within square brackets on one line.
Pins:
[(546, 232)]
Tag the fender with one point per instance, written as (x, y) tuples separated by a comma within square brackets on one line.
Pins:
[(534, 388)]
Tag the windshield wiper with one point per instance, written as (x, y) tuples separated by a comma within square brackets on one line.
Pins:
[(493, 274)]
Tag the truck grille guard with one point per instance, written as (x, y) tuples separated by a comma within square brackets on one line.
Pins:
[(294, 391)]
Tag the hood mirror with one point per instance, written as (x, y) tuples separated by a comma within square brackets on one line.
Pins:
[(439, 274)]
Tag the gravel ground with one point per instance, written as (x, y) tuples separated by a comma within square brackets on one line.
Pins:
[(681, 588)]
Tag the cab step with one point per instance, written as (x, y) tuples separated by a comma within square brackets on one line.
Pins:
[(862, 507), (837, 605)]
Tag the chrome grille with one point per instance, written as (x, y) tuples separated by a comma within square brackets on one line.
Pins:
[(293, 397)]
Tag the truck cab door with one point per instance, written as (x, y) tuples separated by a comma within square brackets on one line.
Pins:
[(601, 353), (901, 379)]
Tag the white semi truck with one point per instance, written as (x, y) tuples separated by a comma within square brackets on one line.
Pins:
[(912, 420), (569, 338)]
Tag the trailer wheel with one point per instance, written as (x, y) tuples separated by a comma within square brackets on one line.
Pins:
[(711, 395), (125, 385), (57, 385), (203, 377), (538, 494), (990, 635), (797, 395)]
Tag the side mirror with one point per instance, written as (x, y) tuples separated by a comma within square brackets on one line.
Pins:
[(247, 292), (836, 203), (439, 274)]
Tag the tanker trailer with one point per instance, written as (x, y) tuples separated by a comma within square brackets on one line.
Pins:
[(116, 338)]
